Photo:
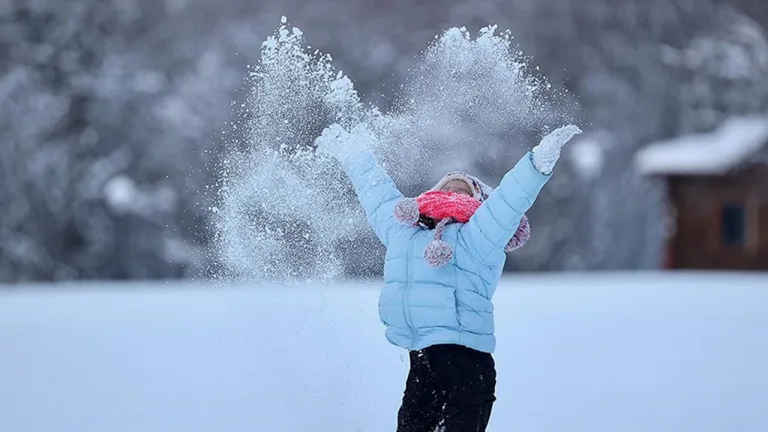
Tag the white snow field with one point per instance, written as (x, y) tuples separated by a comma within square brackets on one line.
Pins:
[(618, 352)]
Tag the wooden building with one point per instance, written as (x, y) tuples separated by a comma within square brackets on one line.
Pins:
[(717, 195)]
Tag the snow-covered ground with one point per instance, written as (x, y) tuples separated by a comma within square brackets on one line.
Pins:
[(592, 353)]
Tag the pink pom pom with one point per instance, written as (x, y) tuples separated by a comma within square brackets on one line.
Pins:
[(407, 211), (438, 253), (521, 237)]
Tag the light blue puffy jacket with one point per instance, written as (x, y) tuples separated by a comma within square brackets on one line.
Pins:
[(421, 305)]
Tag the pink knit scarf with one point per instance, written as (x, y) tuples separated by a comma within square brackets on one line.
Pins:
[(436, 209), (439, 205)]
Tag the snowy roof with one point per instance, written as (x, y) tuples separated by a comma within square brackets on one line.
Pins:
[(716, 152)]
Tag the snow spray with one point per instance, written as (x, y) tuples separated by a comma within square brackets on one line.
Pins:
[(286, 214)]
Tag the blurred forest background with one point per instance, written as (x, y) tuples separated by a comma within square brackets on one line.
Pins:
[(112, 112)]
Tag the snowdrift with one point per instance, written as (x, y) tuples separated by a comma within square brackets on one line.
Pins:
[(611, 352)]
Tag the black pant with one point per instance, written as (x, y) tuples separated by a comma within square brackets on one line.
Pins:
[(448, 386)]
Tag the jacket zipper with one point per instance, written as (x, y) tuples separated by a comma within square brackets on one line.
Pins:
[(406, 303)]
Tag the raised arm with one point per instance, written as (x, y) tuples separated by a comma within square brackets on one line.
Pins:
[(375, 190), (497, 219)]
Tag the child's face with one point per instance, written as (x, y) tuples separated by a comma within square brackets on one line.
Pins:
[(459, 187)]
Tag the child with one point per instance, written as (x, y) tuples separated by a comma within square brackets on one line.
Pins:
[(445, 254)]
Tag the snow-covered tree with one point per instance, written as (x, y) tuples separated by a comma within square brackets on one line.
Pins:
[(643, 71), (108, 110), (112, 115)]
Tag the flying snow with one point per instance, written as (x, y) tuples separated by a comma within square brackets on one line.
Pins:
[(288, 214)]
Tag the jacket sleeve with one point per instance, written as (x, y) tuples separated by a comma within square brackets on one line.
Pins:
[(376, 191), (497, 219)]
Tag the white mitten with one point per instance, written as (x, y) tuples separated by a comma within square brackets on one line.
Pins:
[(344, 146), (546, 154), (332, 140)]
